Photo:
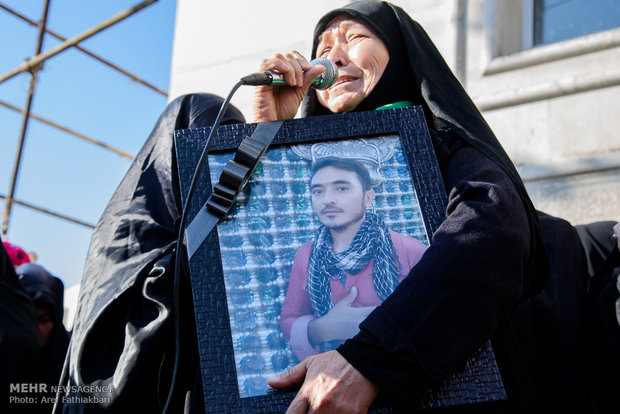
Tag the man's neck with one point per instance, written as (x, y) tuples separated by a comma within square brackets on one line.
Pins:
[(342, 237)]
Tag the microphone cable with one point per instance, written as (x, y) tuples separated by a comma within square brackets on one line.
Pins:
[(255, 79), (177, 259), (179, 243)]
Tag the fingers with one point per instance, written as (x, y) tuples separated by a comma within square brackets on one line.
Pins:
[(311, 74), (299, 405), (292, 66), (294, 76), (332, 385), (350, 298), (294, 375)]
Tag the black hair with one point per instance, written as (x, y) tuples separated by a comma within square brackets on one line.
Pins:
[(346, 164)]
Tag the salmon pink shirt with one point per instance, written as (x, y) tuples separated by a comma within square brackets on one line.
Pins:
[(297, 309)]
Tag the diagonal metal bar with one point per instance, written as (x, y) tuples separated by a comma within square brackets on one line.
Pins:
[(40, 57), (88, 52), (51, 213), (70, 131)]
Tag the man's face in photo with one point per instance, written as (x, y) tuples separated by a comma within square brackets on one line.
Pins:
[(338, 197)]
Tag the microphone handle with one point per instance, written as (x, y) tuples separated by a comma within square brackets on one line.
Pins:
[(278, 79), (323, 81)]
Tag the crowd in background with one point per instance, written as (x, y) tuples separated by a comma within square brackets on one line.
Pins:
[(33, 338)]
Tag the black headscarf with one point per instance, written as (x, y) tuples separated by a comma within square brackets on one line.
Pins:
[(417, 72), (47, 290), (43, 288)]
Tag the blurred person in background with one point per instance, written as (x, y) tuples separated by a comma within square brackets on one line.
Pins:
[(602, 247), (19, 341), (47, 293), (18, 255)]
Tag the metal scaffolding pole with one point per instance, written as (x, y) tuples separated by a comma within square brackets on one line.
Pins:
[(52, 213), (34, 70), (40, 57), (33, 66), (69, 131), (88, 52)]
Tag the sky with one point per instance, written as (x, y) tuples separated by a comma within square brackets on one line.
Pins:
[(58, 171)]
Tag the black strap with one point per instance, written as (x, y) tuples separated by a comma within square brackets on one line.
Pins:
[(232, 180)]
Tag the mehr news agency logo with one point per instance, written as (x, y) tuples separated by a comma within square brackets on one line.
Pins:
[(41, 393)]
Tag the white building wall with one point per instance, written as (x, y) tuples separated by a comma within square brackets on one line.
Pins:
[(553, 107), (557, 119), (70, 303), (216, 43)]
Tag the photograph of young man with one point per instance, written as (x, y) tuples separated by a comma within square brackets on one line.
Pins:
[(351, 266)]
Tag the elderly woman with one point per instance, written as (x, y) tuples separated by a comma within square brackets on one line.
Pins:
[(486, 258)]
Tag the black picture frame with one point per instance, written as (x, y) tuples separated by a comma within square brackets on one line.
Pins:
[(217, 319)]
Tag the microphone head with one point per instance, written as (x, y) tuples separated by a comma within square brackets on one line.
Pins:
[(327, 78)]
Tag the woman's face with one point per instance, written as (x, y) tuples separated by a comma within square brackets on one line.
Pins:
[(361, 57)]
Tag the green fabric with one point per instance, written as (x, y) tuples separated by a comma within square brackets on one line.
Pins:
[(401, 104)]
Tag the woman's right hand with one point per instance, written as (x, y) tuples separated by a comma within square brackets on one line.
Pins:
[(272, 103)]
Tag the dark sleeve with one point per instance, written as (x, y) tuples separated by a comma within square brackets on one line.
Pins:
[(464, 285), (603, 338), (598, 243)]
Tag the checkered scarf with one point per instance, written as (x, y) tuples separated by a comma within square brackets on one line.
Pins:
[(372, 240)]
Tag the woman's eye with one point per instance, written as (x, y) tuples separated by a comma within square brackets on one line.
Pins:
[(325, 51), (356, 36)]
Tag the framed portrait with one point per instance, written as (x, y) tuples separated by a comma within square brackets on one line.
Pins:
[(267, 269)]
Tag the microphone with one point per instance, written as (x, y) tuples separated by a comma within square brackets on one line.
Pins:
[(268, 78)]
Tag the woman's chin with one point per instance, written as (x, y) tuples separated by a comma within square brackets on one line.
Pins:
[(340, 100), (342, 104)]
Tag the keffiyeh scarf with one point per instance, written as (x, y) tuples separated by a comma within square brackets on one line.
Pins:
[(372, 240)]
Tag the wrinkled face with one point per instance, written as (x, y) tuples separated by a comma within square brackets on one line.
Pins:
[(45, 321), (361, 57), (338, 197)]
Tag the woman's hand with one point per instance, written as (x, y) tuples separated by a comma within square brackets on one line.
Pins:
[(330, 385), (272, 103)]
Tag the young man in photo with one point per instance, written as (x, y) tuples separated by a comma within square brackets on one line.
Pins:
[(351, 266)]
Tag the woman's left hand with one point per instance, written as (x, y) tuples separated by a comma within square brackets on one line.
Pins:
[(330, 385)]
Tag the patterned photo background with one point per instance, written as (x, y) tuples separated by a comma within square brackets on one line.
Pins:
[(271, 219)]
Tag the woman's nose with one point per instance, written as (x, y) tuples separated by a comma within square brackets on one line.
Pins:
[(339, 55)]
